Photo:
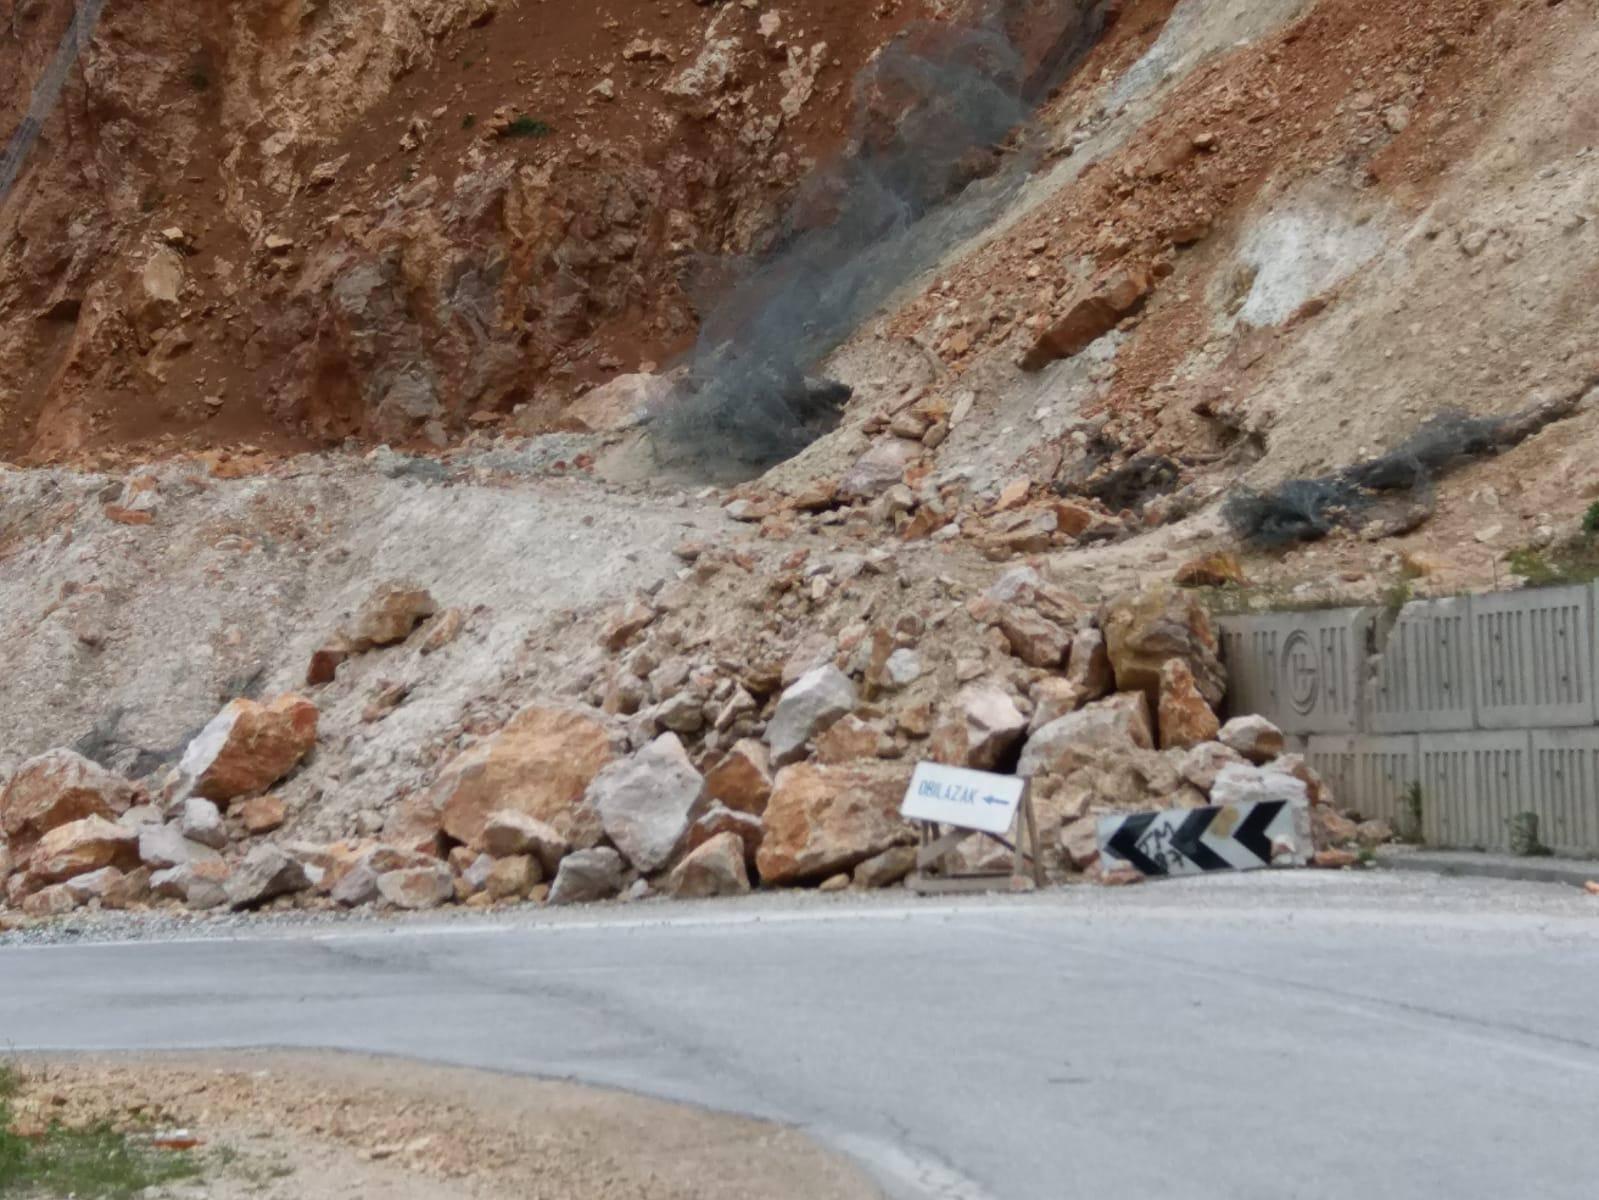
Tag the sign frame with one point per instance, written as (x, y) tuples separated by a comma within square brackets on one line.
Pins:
[(939, 838)]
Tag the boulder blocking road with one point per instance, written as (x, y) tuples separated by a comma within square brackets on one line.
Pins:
[(1273, 1035)]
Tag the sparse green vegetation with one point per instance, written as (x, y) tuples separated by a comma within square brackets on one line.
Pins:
[(1590, 519), (526, 126), (1410, 804), (1576, 561), (90, 1164), (469, 120)]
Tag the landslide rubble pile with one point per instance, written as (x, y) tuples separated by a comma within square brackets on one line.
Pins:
[(690, 774)]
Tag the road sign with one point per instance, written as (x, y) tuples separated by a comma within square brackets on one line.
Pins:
[(975, 804), (966, 799), (1225, 837)]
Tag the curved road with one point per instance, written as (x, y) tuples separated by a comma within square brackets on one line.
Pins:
[(1292, 1035)]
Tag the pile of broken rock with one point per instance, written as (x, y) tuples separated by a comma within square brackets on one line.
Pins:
[(714, 787)]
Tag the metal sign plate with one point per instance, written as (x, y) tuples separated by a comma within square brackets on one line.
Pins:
[(966, 799)]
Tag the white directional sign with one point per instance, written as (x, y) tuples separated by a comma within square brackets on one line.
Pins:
[(966, 799)]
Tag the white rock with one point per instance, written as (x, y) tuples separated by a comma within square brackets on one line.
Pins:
[(1243, 784), (201, 821), (647, 801), (815, 700), (587, 875), (903, 668)]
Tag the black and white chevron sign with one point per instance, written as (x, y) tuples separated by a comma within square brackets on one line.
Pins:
[(1191, 841)]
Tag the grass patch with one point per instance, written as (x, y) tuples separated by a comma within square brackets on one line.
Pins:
[(97, 1163), (1575, 561), (526, 126)]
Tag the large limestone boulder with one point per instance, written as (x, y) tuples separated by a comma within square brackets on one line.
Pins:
[(509, 833), (742, 778), (714, 869), (79, 847), (53, 789), (647, 802), (1144, 630), (813, 702), (616, 406), (1088, 665), (718, 819), (248, 747), (586, 876), (978, 729), (266, 873), (1120, 723), (162, 847), (540, 764), (1185, 719), (822, 820)]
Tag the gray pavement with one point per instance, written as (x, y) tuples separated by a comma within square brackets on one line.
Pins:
[(1278, 1035)]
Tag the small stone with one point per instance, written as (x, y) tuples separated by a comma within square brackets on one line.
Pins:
[(586, 876), (885, 869), (1334, 860), (265, 874), (834, 883), (162, 847), (389, 615), (54, 901), (1254, 737), (511, 878), (261, 814), (443, 630), (415, 888), (200, 821), (508, 833), (903, 668), (716, 868)]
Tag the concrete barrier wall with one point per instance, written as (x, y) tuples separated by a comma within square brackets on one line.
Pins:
[(1486, 704)]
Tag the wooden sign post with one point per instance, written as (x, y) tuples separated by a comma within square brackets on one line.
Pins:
[(952, 804)]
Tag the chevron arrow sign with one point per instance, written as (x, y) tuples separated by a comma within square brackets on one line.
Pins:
[(1192, 841)]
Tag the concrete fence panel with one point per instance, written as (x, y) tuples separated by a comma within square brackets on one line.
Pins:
[(1565, 789), (1471, 785), (1423, 675), (1368, 775), (1299, 670), (1533, 658)]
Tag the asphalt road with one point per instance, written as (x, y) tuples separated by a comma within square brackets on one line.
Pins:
[(1276, 1036)]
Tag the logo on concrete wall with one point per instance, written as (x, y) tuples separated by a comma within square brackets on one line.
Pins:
[(1301, 672)]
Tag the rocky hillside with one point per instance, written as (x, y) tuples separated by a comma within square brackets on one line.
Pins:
[(351, 428)]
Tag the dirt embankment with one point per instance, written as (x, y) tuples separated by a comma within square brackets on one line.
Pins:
[(380, 221), (295, 1127)]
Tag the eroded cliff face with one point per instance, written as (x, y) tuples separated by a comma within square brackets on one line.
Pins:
[(293, 222)]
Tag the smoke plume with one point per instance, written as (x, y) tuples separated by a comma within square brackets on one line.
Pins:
[(923, 171)]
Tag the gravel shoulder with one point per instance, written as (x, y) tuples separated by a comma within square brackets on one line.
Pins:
[(283, 1126), (1355, 896)]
